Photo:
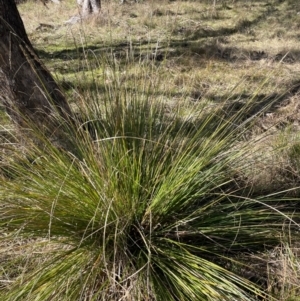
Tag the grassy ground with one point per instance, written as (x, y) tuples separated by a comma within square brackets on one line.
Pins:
[(193, 53)]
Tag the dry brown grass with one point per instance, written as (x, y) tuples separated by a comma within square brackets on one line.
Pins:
[(284, 272)]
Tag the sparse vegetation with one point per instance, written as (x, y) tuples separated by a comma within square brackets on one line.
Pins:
[(180, 179)]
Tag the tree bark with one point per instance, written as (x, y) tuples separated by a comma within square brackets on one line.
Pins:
[(27, 89), (89, 7)]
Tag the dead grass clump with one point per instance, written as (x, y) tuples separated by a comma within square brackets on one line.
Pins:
[(283, 270)]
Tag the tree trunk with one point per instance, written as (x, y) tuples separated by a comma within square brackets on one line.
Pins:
[(89, 7), (27, 89)]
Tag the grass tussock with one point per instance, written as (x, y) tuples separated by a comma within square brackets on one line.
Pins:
[(139, 204), (177, 179)]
